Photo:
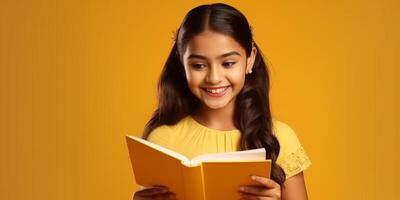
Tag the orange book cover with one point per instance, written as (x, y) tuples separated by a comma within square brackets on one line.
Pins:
[(205, 177)]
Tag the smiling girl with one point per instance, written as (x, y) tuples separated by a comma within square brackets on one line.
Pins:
[(214, 97)]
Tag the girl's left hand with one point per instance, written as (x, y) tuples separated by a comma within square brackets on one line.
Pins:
[(269, 189)]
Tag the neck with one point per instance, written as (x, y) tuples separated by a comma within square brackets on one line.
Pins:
[(219, 119)]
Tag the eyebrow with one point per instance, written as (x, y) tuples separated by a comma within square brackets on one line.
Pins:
[(219, 57)]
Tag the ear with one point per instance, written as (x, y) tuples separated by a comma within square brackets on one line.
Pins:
[(251, 59)]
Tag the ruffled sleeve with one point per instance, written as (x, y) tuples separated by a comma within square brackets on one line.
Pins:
[(292, 156)]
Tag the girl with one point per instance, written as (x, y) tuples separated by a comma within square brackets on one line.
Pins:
[(214, 97)]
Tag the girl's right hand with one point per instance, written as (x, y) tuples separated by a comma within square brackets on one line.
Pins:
[(155, 192)]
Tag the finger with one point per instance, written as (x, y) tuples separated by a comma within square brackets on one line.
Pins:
[(245, 196), (153, 186), (255, 190), (269, 193), (151, 191), (265, 181), (166, 196)]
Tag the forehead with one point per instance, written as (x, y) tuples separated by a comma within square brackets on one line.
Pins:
[(212, 44)]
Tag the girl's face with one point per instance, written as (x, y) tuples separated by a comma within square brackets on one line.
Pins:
[(215, 67)]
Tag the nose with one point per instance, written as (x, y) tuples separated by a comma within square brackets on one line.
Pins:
[(214, 75)]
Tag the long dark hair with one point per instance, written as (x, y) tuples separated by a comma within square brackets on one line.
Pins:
[(252, 113)]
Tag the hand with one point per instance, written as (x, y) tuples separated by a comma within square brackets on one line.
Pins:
[(154, 193), (268, 191)]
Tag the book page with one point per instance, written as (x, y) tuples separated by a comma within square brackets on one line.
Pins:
[(167, 151), (247, 155)]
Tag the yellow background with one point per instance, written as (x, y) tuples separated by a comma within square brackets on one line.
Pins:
[(75, 77)]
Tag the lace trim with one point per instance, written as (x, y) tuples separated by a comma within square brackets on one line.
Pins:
[(295, 162)]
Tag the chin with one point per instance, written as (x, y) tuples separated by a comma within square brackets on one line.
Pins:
[(216, 106)]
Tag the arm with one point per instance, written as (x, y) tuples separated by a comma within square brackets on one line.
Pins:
[(294, 188)]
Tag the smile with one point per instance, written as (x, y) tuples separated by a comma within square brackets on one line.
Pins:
[(216, 92)]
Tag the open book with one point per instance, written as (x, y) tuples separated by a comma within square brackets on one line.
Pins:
[(204, 177)]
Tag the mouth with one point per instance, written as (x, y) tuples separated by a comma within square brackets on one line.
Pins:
[(216, 91)]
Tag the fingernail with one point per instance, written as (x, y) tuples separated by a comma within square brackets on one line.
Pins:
[(253, 178)]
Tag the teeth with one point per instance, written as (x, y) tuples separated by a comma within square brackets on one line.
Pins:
[(217, 90)]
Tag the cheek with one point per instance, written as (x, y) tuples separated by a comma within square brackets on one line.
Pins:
[(237, 78), (193, 79)]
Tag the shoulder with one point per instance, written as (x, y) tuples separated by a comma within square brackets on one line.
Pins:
[(292, 156)]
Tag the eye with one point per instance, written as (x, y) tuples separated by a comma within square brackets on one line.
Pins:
[(198, 66), (228, 64)]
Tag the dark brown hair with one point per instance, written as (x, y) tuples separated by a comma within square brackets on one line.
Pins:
[(252, 115)]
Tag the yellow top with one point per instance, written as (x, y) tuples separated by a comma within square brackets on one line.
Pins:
[(190, 138)]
